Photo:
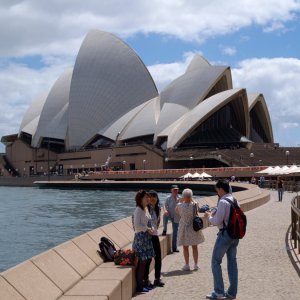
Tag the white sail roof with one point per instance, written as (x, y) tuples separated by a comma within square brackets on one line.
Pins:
[(109, 79)]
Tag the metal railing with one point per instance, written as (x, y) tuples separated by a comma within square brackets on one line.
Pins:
[(289, 185), (295, 214)]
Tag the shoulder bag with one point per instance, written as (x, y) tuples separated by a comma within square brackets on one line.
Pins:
[(197, 221)]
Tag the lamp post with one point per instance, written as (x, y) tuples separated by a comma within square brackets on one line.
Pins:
[(124, 164), (144, 163), (252, 158), (24, 171), (48, 160), (191, 161), (166, 162), (287, 154)]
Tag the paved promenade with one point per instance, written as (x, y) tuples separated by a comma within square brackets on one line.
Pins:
[(265, 270)]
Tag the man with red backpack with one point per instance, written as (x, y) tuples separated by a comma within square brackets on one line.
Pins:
[(232, 223)]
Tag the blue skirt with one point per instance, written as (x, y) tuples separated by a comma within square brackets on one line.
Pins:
[(142, 245)]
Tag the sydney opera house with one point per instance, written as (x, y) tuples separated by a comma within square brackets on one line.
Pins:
[(107, 111)]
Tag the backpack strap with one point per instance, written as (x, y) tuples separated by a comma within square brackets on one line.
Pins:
[(195, 209), (232, 204)]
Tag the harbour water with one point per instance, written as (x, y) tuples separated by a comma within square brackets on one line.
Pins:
[(33, 220)]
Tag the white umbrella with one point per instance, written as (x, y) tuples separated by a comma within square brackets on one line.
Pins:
[(196, 175), (293, 169), (283, 170), (187, 175), (275, 171), (205, 175), (266, 171)]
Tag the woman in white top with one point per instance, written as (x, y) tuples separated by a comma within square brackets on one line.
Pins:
[(154, 210), (142, 243), (187, 236)]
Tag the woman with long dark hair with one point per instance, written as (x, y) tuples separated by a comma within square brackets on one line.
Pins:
[(142, 243), (154, 210)]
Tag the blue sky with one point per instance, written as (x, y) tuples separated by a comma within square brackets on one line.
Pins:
[(259, 40)]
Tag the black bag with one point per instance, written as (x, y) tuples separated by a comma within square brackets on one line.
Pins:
[(107, 249), (197, 221)]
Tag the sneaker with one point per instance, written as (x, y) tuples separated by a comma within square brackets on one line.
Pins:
[(229, 296), (196, 267), (143, 290), (186, 268), (214, 295), (148, 284), (175, 250), (158, 282), (164, 233)]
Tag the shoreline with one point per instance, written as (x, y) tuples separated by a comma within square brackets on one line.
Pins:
[(204, 188)]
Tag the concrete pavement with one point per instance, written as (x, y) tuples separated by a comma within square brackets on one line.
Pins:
[(265, 269)]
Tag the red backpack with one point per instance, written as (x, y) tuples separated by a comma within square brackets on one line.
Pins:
[(237, 222)]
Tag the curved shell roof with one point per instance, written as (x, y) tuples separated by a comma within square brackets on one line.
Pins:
[(53, 117), (140, 121), (111, 93), (32, 113), (258, 100), (190, 89), (109, 79), (113, 130), (169, 114), (198, 62), (180, 129), (144, 123)]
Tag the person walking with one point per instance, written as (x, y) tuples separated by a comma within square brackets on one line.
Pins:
[(262, 182), (280, 188), (187, 236), (154, 209), (170, 214), (223, 245), (142, 243)]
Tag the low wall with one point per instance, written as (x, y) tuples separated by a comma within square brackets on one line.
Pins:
[(28, 181), (199, 187), (74, 270)]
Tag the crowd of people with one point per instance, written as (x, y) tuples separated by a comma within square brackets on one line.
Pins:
[(180, 211)]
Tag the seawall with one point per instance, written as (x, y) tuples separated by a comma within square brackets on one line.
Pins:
[(199, 187), (28, 181)]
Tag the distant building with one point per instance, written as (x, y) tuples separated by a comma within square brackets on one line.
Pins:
[(108, 106)]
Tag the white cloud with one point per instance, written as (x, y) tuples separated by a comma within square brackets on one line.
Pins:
[(57, 27), (19, 86), (286, 125), (275, 26), (165, 73), (278, 79), (229, 51)]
